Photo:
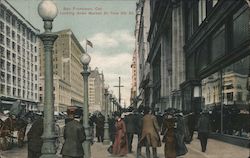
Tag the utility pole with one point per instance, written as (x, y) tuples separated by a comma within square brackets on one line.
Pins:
[(119, 87), (248, 2)]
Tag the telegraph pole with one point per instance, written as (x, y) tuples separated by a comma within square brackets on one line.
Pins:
[(119, 87)]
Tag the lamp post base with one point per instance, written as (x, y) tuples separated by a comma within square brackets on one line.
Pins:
[(50, 156), (106, 140), (86, 148), (87, 142), (48, 148)]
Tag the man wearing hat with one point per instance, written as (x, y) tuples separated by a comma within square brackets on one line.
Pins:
[(74, 136), (150, 133), (203, 130), (35, 141)]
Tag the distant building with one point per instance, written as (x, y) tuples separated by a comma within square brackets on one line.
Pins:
[(67, 68), (134, 78), (234, 90), (142, 49), (96, 91), (19, 59)]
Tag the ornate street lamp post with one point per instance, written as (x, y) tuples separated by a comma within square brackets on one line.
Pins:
[(111, 101), (114, 102), (48, 11), (106, 140), (85, 59), (116, 105)]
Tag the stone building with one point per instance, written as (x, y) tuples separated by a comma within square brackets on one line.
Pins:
[(67, 68), (19, 59), (199, 60), (96, 91), (165, 54), (141, 96), (218, 65)]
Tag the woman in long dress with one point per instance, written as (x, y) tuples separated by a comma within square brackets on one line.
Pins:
[(120, 146), (168, 136)]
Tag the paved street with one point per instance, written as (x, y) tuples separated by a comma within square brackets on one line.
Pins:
[(216, 149)]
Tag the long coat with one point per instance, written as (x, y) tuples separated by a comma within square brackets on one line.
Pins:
[(168, 137), (100, 126), (112, 128), (120, 146), (74, 136), (181, 148), (130, 125), (138, 123), (35, 141), (203, 124), (150, 131)]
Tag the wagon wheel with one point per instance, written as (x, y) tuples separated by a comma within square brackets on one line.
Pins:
[(6, 139), (20, 137)]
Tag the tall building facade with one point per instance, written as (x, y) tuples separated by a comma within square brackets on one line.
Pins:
[(134, 79), (19, 59), (140, 67), (166, 54), (67, 68), (144, 88), (218, 64), (135, 63), (96, 91), (199, 60)]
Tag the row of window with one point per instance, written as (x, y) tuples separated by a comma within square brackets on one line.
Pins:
[(14, 79), (9, 65), (17, 92), (17, 71), (223, 41), (26, 55), (229, 103), (22, 28), (17, 82), (28, 45)]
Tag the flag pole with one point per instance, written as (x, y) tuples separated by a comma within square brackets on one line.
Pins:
[(86, 46)]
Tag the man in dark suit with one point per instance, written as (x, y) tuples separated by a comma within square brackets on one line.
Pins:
[(100, 127), (74, 136), (203, 130), (35, 141), (130, 128), (138, 130), (112, 129)]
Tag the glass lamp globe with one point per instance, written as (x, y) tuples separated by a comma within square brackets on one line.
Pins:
[(47, 10), (106, 86), (85, 59)]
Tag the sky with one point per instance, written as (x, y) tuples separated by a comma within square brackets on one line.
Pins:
[(108, 24)]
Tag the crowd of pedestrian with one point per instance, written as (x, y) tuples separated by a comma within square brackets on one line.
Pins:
[(147, 125), (176, 129)]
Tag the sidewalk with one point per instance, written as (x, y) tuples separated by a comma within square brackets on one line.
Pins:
[(215, 149), (219, 149)]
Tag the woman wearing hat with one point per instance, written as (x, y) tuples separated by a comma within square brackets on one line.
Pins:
[(168, 136), (120, 146)]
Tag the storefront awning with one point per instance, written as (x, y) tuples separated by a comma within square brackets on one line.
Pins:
[(6, 102)]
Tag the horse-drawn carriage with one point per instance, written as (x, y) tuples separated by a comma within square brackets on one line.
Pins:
[(13, 126), (12, 131)]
